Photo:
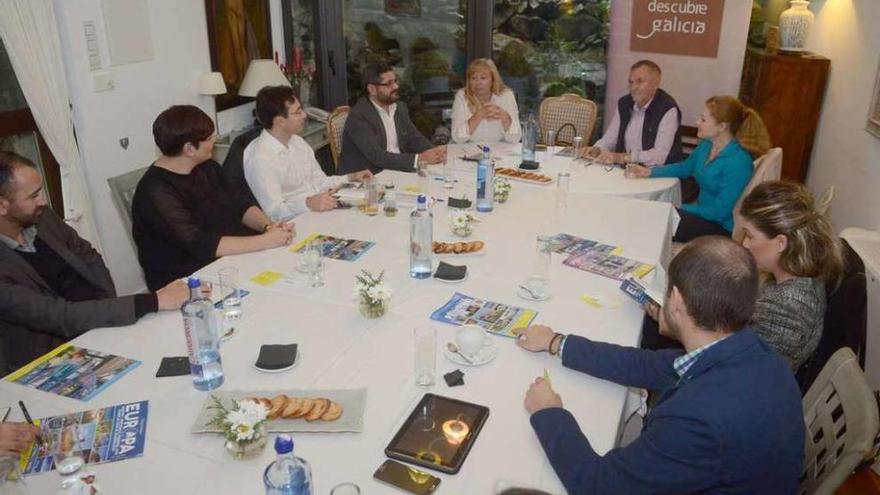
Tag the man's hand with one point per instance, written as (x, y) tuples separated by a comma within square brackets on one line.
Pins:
[(172, 295), (15, 437), (653, 310), (436, 154), (536, 338), (321, 202), (361, 176), (591, 152), (540, 396), (634, 171), (611, 157), (278, 236)]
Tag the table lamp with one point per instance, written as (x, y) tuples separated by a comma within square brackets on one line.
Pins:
[(211, 83), (261, 73)]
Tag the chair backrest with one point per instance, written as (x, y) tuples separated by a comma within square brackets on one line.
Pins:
[(233, 165), (840, 414), (335, 128), (846, 318), (569, 115), (766, 168), (122, 188), (689, 139)]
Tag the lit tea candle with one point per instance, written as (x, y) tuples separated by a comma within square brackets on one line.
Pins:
[(455, 431)]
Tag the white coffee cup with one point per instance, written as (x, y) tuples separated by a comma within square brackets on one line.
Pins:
[(470, 339)]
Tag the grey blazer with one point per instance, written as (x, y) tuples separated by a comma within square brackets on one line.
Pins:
[(363, 141), (33, 318)]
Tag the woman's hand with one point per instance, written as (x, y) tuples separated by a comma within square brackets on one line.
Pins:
[(634, 171)]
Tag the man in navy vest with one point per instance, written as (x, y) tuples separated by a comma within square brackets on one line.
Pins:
[(728, 418), (645, 127)]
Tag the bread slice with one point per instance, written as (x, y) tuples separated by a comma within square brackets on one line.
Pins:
[(318, 410), (292, 405), (334, 412), (278, 404), (304, 408)]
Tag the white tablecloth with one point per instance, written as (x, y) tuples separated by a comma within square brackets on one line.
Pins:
[(341, 349)]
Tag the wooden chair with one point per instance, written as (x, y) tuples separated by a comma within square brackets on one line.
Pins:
[(767, 167), (689, 139), (335, 128), (122, 188), (840, 414), (569, 115)]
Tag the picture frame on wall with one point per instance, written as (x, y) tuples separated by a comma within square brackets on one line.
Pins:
[(873, 125), (411, 8), (238, 31)]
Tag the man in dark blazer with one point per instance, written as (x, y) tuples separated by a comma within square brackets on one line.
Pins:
[(379, 133), (53, 285), (728, 418)]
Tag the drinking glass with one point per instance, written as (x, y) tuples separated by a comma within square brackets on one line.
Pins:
[(371, 197), (346, 488), (425, 340), (538, 282), (11, 479), (68, 454), (551, 143), (448, 176), (314, 253), (230, 292), (563, 183)]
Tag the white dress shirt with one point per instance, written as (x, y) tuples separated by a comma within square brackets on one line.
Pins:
[(632, 138), (282, 177), (487, 131), (391, 143)]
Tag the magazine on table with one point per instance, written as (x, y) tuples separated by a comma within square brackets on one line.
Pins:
[(645, 291), (336, 248), (494, 317), (569, 244), (74, 372), (102, 435), (608, 265)]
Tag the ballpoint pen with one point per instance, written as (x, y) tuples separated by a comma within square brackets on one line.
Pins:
[(27, 418), (547, 377)]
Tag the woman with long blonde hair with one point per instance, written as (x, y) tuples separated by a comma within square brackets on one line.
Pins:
[(732, 135), (485, 110), (794, 245)]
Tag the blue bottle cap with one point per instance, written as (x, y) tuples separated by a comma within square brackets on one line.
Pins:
[(193, 282), (422, 199), (283, 444)]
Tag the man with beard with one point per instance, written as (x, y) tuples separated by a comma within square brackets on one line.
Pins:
[(379, 133), (728, 418), (53, 285)]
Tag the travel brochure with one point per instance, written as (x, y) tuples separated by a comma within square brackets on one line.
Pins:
[(608, 265), (644, 292), (102, 435), (570, 244), (336, 248), (494, 317), (74, 372)]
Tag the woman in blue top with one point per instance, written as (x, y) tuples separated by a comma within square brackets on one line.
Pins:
[(721, 165)]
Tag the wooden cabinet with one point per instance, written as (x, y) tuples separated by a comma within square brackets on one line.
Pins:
[(787, 90)]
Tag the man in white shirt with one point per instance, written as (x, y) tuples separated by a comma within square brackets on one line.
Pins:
[(379, 133), (644, 128), (280, 167)]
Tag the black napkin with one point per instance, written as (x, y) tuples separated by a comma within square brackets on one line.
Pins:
[(529, 165), (454, 378), (276, 356), (458, 203), (445, 271), (173, 366)]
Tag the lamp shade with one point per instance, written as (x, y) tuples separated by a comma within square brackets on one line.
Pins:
[(211, 83), (261, 73)]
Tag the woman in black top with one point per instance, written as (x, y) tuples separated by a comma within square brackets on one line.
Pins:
[(184, 213)]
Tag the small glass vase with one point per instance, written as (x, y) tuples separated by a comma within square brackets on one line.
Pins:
[(370, 309), (248, 449), (463, 231), (501, 197)]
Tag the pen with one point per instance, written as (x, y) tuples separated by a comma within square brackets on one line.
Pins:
[(27, 418), (547, 377)]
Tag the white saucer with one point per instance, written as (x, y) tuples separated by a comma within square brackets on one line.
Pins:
[(525, 295), (279, 370), (452, 281), (486, 354)]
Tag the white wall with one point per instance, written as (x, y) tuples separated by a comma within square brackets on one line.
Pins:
[(844, 154), (142, 90), (690, 80)]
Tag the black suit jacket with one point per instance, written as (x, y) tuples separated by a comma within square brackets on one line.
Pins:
[(33, 318), (363, 141)]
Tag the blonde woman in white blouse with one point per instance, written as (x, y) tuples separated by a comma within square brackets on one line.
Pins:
[(485, 110)]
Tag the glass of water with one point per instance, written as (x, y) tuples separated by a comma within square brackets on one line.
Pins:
[(68, 451), (551, 143), (538, 283), (425, 340), (314, 255), (563, 184), (448, 176), (230, 292)]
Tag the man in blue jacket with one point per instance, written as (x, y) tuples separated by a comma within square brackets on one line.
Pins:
[(728, 419)]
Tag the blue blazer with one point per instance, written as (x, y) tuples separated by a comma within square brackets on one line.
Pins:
[(721, 182), (732, 424)]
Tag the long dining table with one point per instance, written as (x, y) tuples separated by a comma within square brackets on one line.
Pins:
[(340, 349)]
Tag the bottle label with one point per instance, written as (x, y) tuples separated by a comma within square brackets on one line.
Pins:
[(192, 346)]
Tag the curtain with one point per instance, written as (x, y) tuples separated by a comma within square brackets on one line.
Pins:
[(30, 34)]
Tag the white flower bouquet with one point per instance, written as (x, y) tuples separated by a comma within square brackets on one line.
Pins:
[(243, 426), (462, 222), (502, 189), (372, 294)]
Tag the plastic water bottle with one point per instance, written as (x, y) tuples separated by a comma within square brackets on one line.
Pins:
[(529, 138), (421, 238), (202, 338), (485, 182), (288, 475)]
